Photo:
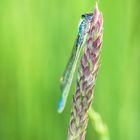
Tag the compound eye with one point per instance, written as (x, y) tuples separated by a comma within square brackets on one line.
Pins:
[(83, 16)]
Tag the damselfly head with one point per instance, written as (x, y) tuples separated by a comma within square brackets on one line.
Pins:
[(87, 16)]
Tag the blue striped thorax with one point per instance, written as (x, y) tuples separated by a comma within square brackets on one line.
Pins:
[(84, 26)]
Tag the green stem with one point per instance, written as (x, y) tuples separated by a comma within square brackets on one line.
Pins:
[(98, 125)]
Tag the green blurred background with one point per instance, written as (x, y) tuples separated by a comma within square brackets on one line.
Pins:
[(36, 39)]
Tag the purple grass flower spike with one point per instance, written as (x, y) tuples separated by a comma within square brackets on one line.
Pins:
[(87, 73)]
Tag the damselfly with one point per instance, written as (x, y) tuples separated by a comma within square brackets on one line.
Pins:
[(67, 77)]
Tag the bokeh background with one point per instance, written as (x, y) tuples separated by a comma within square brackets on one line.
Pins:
[(36, 39)]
